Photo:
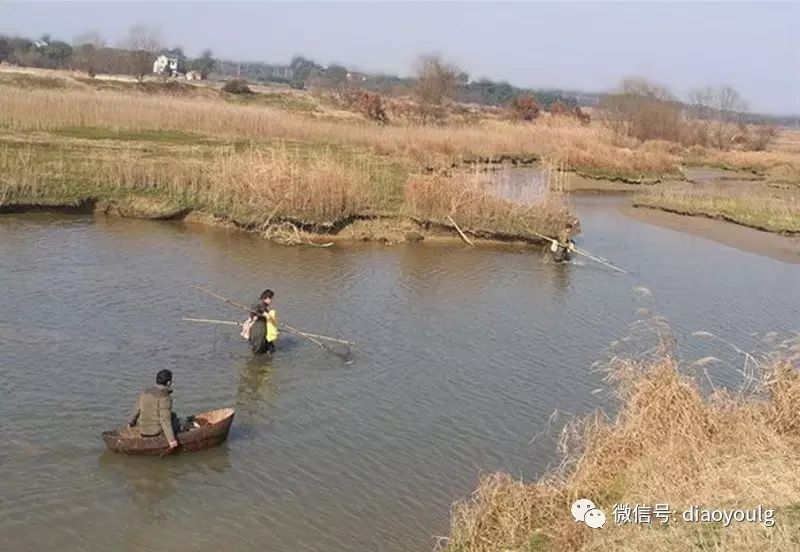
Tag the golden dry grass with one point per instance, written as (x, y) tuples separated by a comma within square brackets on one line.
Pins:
[(321, 190), (744, 160), (592, 148), (480, 212), (248, 187), (669, 444), (241, 159)]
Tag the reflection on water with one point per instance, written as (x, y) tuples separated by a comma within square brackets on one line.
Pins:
[(150, 481), (254, 390), (462, 356)]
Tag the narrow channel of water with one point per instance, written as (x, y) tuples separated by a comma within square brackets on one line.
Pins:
[(462, 356)]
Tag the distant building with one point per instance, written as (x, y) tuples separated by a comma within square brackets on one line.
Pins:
[(164, 65), (356, 77)]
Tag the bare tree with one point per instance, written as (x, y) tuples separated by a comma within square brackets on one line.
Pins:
[(719, 111), (144, 43), (637, 86), (144, 38), (93, 38), (87, 52), (644, 110), (701, 101), (436, 83), (717, 102)]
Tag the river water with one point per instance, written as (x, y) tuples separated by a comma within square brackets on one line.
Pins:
[(462, 356)]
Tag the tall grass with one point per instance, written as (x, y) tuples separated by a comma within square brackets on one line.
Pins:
[(477, 210), (319, 190), (569, 142), (248, 186), (670, 443)]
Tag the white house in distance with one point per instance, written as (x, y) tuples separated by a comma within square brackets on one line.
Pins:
[(164, 65)]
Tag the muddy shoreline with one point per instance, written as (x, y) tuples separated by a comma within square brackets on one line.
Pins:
[(775, 246), (386, 230)]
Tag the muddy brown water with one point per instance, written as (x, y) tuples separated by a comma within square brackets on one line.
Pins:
[(462, 356)]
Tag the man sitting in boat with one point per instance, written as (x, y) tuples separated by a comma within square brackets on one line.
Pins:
[(153, 413), (261, 329)]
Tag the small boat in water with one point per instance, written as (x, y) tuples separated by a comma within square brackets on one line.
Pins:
[(212, 431)]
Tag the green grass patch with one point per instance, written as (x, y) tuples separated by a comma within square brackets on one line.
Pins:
[(778, 213), (538, 542), (167, 88), (153, 174), (143, 135), (620, 175), (24, 80), (277, 100)]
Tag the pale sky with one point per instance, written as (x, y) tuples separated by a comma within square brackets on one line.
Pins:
[(754, 47)]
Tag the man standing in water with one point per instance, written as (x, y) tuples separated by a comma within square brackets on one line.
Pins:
[(153, 414), (262, 325), (563, 246)]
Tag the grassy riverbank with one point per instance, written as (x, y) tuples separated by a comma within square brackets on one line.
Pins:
[(755, 206), (156, 149), (671, 444), (154, 155)]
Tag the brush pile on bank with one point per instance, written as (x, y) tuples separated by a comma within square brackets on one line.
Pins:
[(670, 444)]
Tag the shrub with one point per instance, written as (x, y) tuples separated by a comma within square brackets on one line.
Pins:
[(237, 86), (760, 136), (525, 108), (581, 115), (435, 86), (371, 105), (557, 108)]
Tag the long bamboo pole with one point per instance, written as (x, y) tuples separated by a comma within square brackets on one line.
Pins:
[(223, 299), (318, 336), (210, 321), (314, 338), (577, 250)]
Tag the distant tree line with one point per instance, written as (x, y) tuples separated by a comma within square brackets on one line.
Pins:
[(302, 72), (89, 52), (137, 52), (715, 116), (639, 108)]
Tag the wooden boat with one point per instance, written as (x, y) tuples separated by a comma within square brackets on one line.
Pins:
[(213, 431)]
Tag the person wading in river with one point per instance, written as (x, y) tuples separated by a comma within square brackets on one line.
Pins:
[(563, 247), (261, 329), (153, 413)]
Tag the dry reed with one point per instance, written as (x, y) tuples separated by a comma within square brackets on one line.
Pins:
[(475, 207), (320, 189), (671, 444), (576, 145)]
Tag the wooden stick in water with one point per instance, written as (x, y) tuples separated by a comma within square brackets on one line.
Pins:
[(460, 233)]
